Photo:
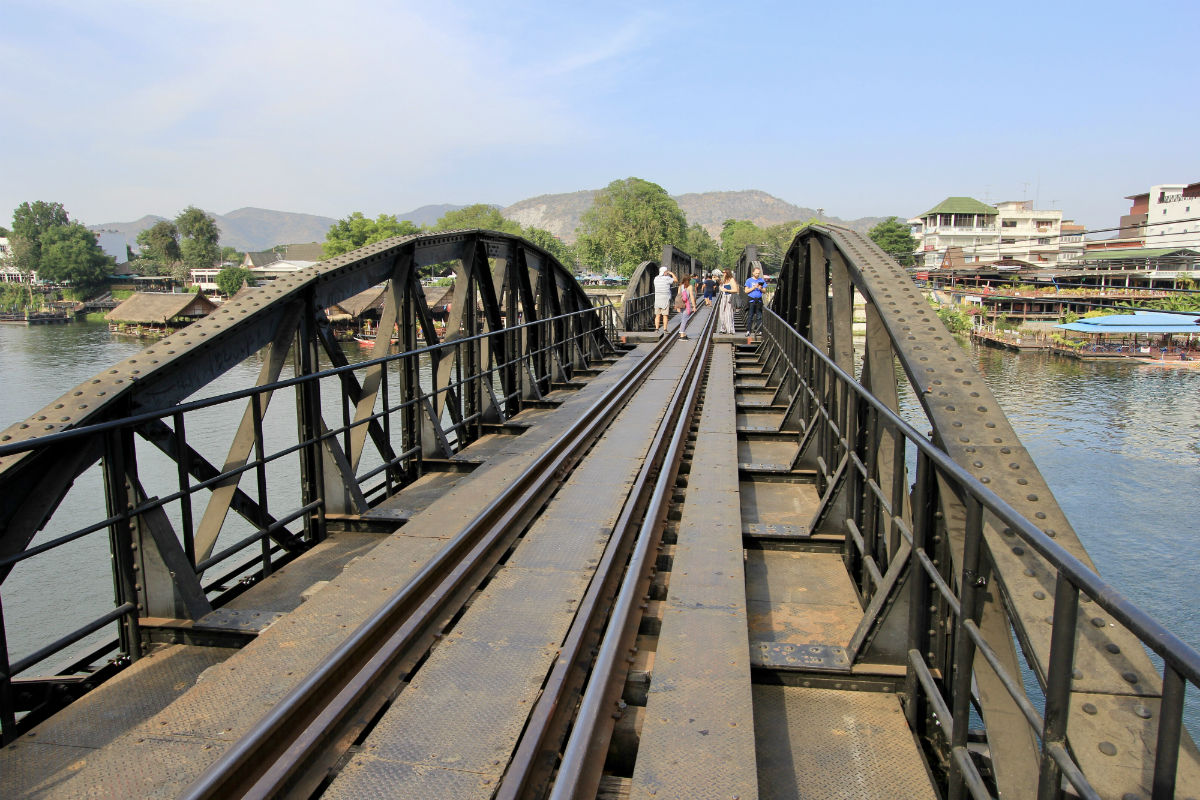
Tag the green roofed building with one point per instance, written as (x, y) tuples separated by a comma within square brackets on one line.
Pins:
[(956, 225)]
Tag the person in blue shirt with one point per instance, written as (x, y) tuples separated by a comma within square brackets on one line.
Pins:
[(754, 293)]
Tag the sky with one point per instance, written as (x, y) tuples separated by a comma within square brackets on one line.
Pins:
[(132, 107)]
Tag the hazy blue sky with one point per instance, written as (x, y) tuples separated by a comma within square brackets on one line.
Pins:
[(127, 107)]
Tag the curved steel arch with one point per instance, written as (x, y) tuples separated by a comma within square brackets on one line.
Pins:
[(638, 303), (504, 278), (825, 266)]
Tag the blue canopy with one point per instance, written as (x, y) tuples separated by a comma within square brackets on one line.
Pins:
[(1137, 322)]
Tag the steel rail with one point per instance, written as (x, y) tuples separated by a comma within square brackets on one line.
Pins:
[(626, 554), (280, 752), (579, 772)]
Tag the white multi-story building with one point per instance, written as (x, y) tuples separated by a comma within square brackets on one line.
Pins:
[(1027, 234), (1166, 216), (964, 229), (956, 222)]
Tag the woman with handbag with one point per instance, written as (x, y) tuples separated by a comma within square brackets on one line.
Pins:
[(685, 302)]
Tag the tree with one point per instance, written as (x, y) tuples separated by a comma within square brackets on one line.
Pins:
[(231, 255), (552, 244), (31, 221), (230, 279), (895, 239), (357, 231), (735, 235), (700, 243), (70, 254), (628, 223), (200, 246), (160, 244), (480, 215)]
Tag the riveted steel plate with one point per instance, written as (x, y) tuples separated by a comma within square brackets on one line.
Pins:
[(367, 776), (824, 744), (129, 698), (776, 531), (785, 655), (238, 619)]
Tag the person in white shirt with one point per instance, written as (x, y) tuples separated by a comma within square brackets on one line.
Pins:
[(662, 299)]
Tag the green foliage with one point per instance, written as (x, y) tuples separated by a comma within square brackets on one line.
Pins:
[(955, 319), (70, 254), (357, 231), (1068, 317), (1173, 302), (15, 297), (230, 279), (481, 216), (629, 223), (552, 244), (122, 294), (160, 245), (703, 246), (200, 245), (1007, 324), (895, 239), (1065, 341), (232, 255), (735, 235), (31, 221)]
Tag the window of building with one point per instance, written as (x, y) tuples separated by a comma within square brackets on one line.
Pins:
[(1008, 241), (1043, 241), (1008, 223)]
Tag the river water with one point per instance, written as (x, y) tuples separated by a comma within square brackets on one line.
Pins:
[(1119, 445)]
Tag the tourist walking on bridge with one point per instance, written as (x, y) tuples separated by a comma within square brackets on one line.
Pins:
[(754, 293), (686, 303), (729, 292), (662, 299)]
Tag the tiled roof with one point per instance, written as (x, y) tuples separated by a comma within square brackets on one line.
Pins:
[(960, 205)]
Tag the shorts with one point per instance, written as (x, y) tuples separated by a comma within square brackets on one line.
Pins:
[(662, 308)]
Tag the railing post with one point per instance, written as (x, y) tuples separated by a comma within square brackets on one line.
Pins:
[(308, 418), (920, 617), (1058, 685), (8, 714), (1170, 724), (118, 453), (260, 470), (969, 591), (183, 462)]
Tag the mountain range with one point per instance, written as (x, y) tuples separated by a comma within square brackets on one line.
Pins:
[(261, 229)]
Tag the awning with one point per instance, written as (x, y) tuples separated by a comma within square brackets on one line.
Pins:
[(1137, 322)]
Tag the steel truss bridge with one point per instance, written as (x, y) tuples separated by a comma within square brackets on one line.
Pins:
[(553, 555)]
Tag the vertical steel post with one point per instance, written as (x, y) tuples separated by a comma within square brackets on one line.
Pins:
[(919, 617), (183, 463), (1170, 724), (969, 593), (1058, 685), (118, 463), (8, 714), (308, 418), (260, 471)]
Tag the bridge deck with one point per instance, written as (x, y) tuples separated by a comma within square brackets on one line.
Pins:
[(718, 718)]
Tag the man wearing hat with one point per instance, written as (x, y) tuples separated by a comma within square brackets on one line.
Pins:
[(662, 299)]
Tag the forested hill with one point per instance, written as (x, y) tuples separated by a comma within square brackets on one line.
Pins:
[(262, 229), (560, 213)]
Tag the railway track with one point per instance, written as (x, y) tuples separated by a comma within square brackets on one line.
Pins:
[(299, 749)]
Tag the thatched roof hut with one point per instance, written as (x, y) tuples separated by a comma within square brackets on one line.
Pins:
[(159, 308)]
